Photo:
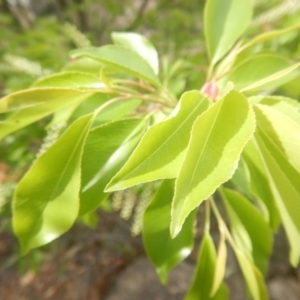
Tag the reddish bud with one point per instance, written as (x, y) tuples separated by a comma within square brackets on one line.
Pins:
[(210, 89)]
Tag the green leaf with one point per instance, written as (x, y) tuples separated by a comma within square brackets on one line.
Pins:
[(268, 35), (224, 22), (278, 139), (164, 251), (217, 140), (161, 150), (259, 184), (34, 104), (246, 222), (121, 58), (254, 279), (287, 106), (46, 201), (107, 148), (76, 80), (203, 278), (262, 71), (85, 65), (116, 111), (139, 44), (36, 97), (281, 135), (275, 80), (113, 112), (240, 178)]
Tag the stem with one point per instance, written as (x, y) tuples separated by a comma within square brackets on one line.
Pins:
[(128, 92), (126, 89), (135, 83), (151, 99), (145, 96), (209, 73), (225, 65), (222, 225), (108, 103)]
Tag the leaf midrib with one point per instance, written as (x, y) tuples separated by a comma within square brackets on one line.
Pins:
[(69, 161), (200, 156), (275, 145), (166, 141)]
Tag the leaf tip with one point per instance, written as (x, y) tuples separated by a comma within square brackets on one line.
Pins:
[(112, 187), (174, 230)]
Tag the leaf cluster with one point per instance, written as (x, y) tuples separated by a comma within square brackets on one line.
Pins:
[(121, 126)]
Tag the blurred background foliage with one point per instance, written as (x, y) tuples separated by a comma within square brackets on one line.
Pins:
[(37, 35)]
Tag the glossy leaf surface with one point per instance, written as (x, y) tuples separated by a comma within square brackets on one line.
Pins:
[(278, 138), (164, 251), (76, 80), (121, 58), (201, 286), (37, 97), (217, 140), (224, 22), (107, 148), (139, 44), (31, 105), (161, 150), (46, 202)]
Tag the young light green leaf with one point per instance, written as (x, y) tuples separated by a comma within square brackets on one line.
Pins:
[(246, 221), (46, 201), (217, 140), (164, 251), (224, 22), (139, 44), (261, 71), (254, 279), (121, 58), (107, 148), (34, 104), (161, 150), (201, 286), (278, 139), (76, 80), (220, 265)]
